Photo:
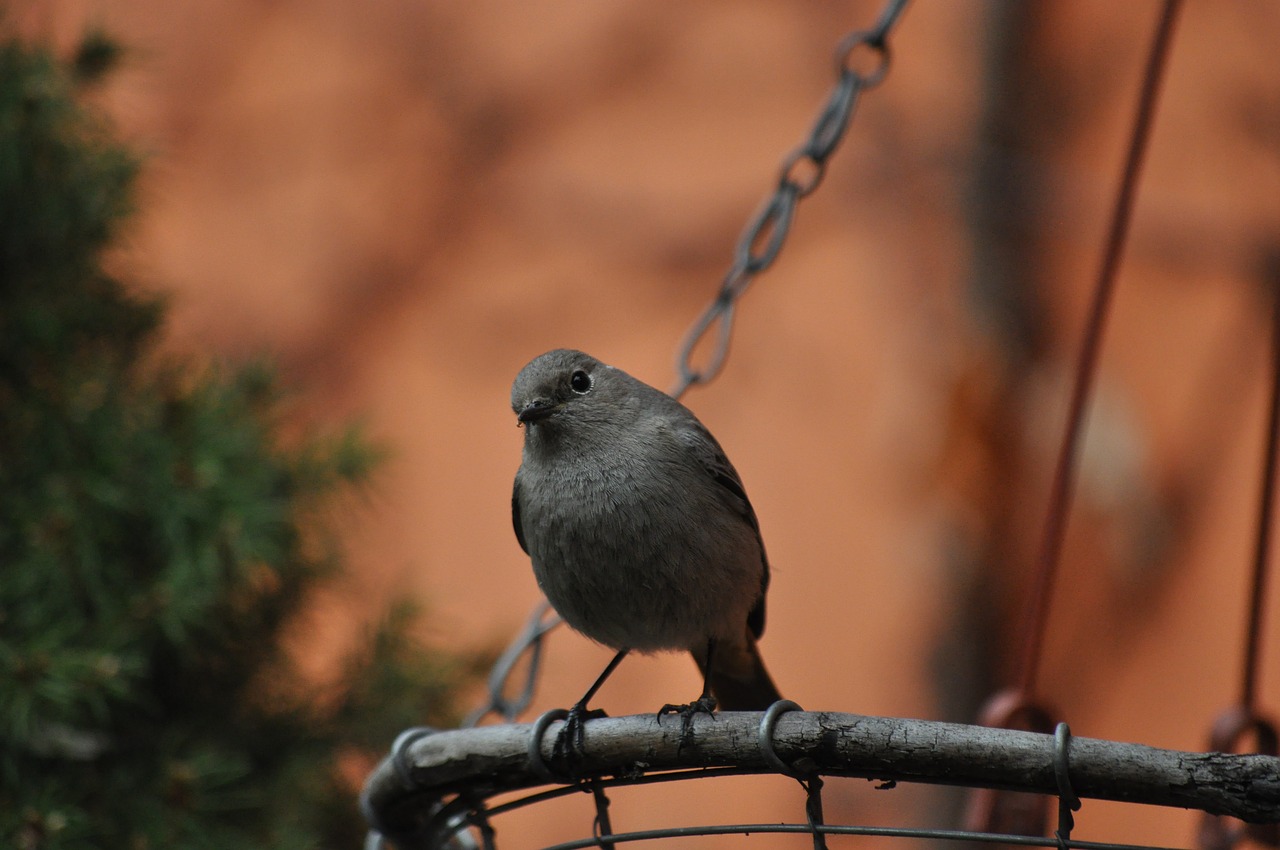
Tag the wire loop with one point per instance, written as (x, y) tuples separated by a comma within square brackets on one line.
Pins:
[(850, 45), (379, 828), (601, 827), (771, 225), (1230, 729), (765, 737), (1012, 708), (793, 168), (537, 764), (400, 752), (829, 129), (1068, 802), (804, 771), (813, 809), (989, 810), (720, 312)]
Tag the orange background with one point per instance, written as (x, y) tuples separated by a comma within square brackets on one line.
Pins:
[(403, 202)]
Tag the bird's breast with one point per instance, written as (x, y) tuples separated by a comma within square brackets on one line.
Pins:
[(638, 553)]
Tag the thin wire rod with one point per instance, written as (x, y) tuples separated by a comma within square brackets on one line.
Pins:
[(680, 775), (1262, 548), (1037, 613), (838, 829)]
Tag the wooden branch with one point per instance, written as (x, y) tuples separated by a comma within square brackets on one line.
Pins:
[(479, 762)]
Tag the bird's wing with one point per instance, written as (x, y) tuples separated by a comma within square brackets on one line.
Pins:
[(704, 448), (515, 515)]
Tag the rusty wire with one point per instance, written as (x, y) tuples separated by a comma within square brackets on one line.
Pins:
[(1242, 721), (1019, 706), (1266, 500), (1050, 553)]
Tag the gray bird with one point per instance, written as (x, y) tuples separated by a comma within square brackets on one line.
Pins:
[(639, 529)]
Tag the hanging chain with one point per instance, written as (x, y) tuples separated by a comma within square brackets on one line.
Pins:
[(528, 642), (800, 174)]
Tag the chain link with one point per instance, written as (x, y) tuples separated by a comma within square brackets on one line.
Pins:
[(529, 642), (800, 174)]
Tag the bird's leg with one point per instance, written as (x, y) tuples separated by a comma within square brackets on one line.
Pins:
[(570, 743), (704, 704)]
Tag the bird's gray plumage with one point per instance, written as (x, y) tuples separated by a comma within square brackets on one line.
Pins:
[(639, 529)]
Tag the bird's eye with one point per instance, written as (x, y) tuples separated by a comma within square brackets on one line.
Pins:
[(580, 382)]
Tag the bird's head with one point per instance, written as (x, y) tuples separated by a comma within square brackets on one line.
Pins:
[(561, 384)]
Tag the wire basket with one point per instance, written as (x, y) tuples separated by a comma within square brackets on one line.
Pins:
[(436, 788)]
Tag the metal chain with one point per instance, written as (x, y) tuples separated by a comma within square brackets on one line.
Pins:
[(801, 173), (528, 642)]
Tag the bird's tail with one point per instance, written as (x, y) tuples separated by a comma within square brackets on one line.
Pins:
[(738, 678)]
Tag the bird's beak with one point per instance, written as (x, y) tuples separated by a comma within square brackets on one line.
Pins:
[(537, 410)]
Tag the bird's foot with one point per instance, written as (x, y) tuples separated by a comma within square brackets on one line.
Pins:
[(570, 746), (705, 704)]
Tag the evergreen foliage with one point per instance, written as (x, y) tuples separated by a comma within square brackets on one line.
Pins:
[(156, 537)]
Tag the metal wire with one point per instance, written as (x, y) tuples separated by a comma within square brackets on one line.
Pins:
[(814, 827), (818, 829), (529, 642), (1238, 723), (1262, 546), (876, 831), (984, 805), (1037, 613)]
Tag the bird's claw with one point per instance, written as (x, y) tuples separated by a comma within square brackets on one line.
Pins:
[(570, 743), (702, 705)]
